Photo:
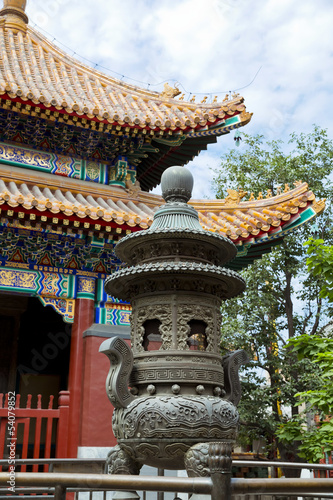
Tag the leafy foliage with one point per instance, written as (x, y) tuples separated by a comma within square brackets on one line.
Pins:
[(313, 443), (282, 299), (320, 264), (319, 438), (262, 166)]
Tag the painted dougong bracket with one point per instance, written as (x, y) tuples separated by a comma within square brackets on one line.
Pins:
[(121, 364), (231, 364)]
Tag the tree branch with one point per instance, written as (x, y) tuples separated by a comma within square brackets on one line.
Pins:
[(306, 321), (280, 337), (316, 323), (289, 304)]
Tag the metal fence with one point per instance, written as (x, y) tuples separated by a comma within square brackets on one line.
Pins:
[(58, 484)]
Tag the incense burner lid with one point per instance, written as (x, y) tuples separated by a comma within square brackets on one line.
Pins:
[(177, 184), (178, 223), (130, 282)]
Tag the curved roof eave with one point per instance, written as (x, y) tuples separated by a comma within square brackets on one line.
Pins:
[(37, 73)]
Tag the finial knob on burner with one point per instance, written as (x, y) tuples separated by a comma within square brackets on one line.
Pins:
[(177, 184)]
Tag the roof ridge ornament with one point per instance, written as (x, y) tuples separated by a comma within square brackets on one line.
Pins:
[(14, 13), (234, 196), (169, 92)]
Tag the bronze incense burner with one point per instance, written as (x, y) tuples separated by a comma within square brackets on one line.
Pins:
[(183, 394)]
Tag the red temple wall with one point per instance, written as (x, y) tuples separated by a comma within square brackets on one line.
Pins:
[(96, 409)]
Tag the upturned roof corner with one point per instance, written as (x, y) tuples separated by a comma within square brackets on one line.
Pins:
[(38, 80)]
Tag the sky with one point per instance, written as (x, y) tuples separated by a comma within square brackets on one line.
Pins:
[(278, 54)]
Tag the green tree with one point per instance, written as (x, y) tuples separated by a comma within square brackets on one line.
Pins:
[(282, 299), (320, 265), (318, 349), (317, 438)]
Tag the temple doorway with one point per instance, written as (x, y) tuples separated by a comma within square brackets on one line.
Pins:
[(11, 309), (43, 352), (35, 347)]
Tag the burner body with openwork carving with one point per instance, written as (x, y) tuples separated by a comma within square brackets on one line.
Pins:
[(182, 393)]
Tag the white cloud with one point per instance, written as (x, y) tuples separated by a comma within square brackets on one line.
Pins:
[(212, 46)]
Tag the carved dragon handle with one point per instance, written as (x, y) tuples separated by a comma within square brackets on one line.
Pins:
[(231, 364), (121, 364)]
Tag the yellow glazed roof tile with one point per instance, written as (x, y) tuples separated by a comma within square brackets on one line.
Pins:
[(242, 221), (33, 69)]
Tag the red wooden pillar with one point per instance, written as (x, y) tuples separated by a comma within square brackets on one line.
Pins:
[(63, 429), (83, 319)]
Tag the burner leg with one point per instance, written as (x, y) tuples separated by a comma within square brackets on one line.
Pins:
[(214, 460), (119, 462)]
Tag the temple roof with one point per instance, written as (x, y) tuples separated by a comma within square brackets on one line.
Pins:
[(39, 80), (38, 71), (51, 102), (34, 69), (73, 205)]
